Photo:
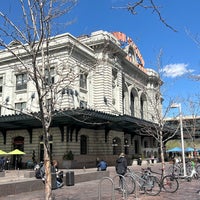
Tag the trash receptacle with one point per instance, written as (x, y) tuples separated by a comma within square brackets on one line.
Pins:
[(53, 181), (70, 178)]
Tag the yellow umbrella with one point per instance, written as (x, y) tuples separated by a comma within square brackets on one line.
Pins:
[(16, 152), (2, 152)]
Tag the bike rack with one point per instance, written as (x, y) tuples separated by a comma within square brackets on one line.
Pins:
[(124, 192), (99, 188)]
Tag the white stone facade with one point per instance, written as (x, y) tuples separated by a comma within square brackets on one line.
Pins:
[(110, 83)]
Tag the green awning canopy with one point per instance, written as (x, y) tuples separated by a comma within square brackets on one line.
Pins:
[(83, 118)]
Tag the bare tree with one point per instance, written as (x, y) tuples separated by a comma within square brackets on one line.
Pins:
[(190, 122), (30, 47), (159, 130), (145, 4)]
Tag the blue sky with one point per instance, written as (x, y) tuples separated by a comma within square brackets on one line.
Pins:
[(180, 55)]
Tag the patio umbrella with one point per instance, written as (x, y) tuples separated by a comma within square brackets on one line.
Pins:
[(189, 149), (175, 149), (2, 152), (16, 152)]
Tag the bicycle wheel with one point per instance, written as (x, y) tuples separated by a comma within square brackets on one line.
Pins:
[(170, 184), (152, 186), (198, 169), (130, 183), (175, 170), (189, 168)]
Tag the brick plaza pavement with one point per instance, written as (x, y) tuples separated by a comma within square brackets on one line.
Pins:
[(89, 191)]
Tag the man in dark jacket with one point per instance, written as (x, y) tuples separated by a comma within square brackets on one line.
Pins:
[(121, 167)]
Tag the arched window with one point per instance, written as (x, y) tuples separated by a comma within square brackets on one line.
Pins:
[(134, 102), (142, 106), (136, 143), (18, 143), (83, 145), (132, 105), (146, 144)]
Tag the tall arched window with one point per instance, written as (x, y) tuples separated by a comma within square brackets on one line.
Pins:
[(83, 145), (142, 108), (143, 105), (136, 143), (134, 102), (132, 105)]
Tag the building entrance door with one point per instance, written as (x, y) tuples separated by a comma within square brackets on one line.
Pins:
[(18, 143)]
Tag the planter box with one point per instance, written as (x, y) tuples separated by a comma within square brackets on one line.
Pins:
[(68, 164)]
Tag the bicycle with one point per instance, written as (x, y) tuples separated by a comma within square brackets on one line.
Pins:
[(168, 182), (146, 182), (198, 168), (176, 169), (192, 170)]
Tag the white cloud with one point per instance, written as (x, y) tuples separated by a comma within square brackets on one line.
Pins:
[(175, 70)]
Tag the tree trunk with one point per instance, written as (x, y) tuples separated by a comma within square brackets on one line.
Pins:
[(162, 151), (47, 163)]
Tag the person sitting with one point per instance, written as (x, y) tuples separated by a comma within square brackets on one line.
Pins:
[(102, 166), (59, 174)]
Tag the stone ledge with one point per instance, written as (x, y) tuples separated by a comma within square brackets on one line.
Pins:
[(29, 174), (90, 176), (32, 184), (17, 187), (2, 174)]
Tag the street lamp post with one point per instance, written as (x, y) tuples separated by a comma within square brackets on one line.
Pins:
[(174, 105)]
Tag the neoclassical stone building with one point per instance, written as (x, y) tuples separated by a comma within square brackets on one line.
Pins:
[(101, 111)]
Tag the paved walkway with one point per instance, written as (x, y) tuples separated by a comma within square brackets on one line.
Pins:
[(89, 191)]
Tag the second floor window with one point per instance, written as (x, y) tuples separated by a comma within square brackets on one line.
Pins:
[(20, 107), (49, 105), (83, 104), (83, 81), (1, 84), (21, 81)]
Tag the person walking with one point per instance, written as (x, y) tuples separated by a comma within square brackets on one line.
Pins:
[(121, 168)]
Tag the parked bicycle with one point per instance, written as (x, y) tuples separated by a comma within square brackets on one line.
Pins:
[(176, 169), (168, 182), (146, 182), (192, 170)]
